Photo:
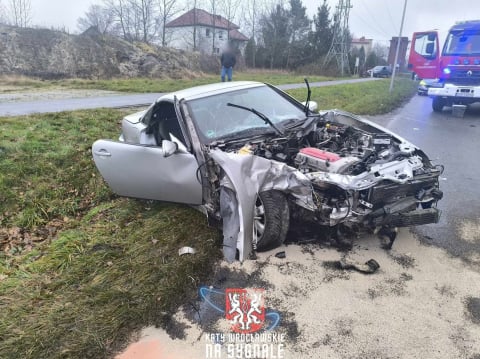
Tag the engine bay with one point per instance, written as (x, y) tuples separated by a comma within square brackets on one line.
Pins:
[(360, 175), (326, 146)]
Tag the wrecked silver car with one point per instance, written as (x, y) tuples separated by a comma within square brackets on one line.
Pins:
[(253, 159)]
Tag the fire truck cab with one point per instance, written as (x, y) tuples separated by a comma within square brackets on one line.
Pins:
[(457, 68)]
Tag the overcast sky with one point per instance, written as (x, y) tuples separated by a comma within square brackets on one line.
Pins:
[(377, 19)]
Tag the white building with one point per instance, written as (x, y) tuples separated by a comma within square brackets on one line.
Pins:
[(212, 33), (362, 42)]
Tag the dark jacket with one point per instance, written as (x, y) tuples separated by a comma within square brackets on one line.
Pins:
[(228, 59)]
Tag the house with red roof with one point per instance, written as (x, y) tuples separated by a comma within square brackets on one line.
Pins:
[(199, 30)]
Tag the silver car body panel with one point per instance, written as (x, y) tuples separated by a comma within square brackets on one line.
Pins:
[(135, 117), (132, 132), (209, 90), (133, 170), (249, 175)]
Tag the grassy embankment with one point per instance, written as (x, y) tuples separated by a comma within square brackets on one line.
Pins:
[(81, 269), (18, 83)]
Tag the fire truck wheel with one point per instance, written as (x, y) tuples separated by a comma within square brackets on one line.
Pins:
[(437, 104)]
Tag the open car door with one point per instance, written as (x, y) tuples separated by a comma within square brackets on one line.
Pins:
[(424, 54), (134, 170)]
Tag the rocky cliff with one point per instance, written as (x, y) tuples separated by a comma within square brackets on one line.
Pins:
[(52, 54)]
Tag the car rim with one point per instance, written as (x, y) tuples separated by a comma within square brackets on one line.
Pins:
[(258, 221)]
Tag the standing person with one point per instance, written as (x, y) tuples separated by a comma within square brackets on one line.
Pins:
[(228, 60)]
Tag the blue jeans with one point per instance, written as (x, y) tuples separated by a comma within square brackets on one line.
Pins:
[(227, 71)]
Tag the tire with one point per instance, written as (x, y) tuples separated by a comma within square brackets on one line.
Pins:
[(437, 104), (272, 217)]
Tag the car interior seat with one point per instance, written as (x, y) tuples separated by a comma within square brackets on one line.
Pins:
[(164, 122)]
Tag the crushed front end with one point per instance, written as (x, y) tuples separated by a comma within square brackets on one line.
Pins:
[(359, 174)]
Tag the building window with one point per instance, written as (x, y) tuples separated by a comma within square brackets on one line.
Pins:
[(217, 50), (207, 32), (220, 35)]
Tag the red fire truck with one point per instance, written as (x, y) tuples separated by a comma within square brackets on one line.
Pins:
[(457, 68)]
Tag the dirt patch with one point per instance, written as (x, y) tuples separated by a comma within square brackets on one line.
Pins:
[(473, 309), (469, 230), (327, 312), (46, 95), (405, 260)]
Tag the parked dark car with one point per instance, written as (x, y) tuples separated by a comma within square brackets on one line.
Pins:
[(381, 71), (425, 84)]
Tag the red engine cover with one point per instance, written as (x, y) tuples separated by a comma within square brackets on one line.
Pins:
[(323, 155)]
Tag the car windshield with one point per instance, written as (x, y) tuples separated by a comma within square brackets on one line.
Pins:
[(216, 120), (462, 43)]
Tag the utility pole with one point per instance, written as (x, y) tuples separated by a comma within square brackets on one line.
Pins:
[(339, 48), (394, 71)]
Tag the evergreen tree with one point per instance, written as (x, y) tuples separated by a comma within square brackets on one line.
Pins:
[(299, 27), (275, 34), (250, 48), (371, 60), (322, 36)]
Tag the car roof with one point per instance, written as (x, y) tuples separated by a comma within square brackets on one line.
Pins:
[(209, 90)]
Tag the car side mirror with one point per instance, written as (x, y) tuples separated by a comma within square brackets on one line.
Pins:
[(312, 106), (169, 148)]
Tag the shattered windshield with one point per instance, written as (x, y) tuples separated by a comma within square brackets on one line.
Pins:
[(215, 120), (462, 43)]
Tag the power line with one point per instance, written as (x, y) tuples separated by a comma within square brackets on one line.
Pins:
[(375, 21), (366, 23), (390, 15), (339, 48)]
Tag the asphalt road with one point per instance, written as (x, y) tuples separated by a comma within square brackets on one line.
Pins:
[(117, 101), (455, 143)]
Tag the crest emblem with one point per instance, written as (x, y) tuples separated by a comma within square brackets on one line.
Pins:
[(245, 309), (469, 73)]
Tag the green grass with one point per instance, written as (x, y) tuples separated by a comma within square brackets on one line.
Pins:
[(81, 269), (141, 85), (20, 83), (368, 98), (168, 85)]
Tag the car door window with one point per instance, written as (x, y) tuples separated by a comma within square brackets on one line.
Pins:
[(422, 44), (163, 124)]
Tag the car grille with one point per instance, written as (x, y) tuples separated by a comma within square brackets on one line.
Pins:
[(383, 192), (414, 218), (463, 77)]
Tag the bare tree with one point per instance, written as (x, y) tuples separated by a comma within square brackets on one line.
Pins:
[(213, 10), (229, 9), (167, 9), (19, 12), (136, 19), (253, 10), (195, 3), (3, 11), (98, 16), (147, 11)]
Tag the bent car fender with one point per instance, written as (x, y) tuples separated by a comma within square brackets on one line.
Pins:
[(249, 175)]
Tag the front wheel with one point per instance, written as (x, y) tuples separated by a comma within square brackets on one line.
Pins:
[(271, 221), (437, 104)]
